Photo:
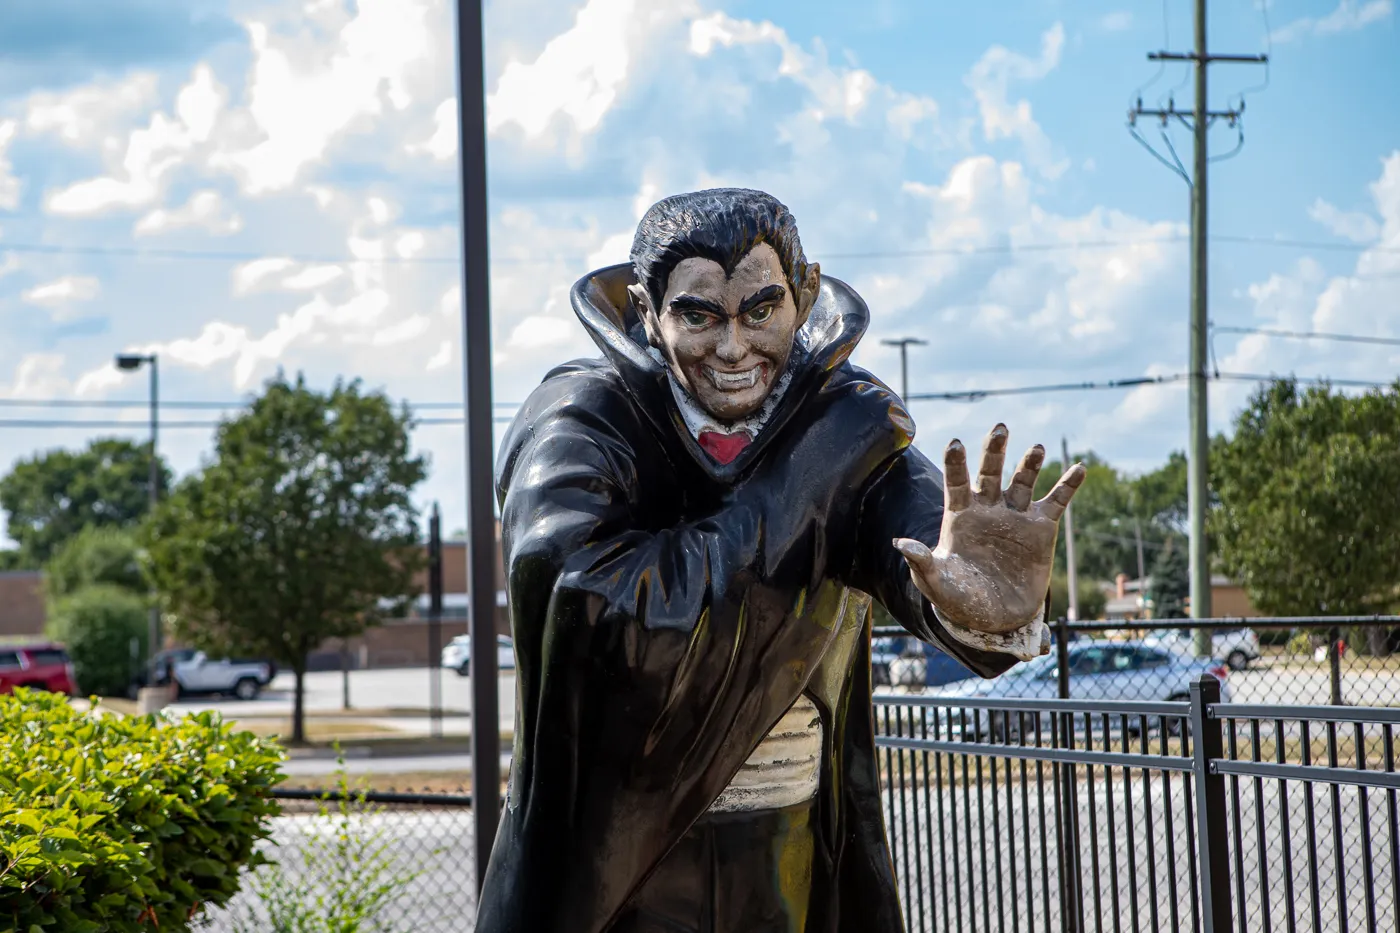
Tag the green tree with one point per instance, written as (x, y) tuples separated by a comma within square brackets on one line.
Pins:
[(1092, 599), (300, 529), (1171, 581), (95, 555), (1309, 490), (50, 497), (98, 625)]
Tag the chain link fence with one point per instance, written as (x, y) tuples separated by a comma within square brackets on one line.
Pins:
[(1336, 661), (389, 862), (1083, 815)]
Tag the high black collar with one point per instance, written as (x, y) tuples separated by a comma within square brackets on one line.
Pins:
[(837, 322)]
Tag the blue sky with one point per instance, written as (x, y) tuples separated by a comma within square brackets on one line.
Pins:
[(965, 166)]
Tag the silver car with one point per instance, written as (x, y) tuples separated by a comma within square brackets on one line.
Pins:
[(1100, 670)]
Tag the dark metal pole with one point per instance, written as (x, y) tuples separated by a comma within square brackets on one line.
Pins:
[(1062, 657), (154, 482), (1198, 440), (1213, 853), (435, 623), (1334, 665), (476, 351)]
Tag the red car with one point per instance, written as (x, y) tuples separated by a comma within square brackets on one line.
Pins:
[(42, 667)]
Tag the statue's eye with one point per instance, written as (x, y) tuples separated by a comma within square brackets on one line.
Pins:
[(695, 318), (760, 315)]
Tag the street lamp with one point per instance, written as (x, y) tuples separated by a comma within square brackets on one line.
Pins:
[(904, 343), (130, 362)]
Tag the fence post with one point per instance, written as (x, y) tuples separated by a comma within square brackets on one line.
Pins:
[(1062, 656), (1334, 664), (1212, 849)]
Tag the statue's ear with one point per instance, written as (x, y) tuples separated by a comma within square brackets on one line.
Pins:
[(807, 292), (641, 300)]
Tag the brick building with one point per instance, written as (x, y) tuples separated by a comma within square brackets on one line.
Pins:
[(404, 642), (22, 611)]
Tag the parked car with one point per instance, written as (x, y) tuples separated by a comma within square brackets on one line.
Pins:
[(458, 654), (1238, 646), (39, 666), (194, 673), (1101, 670)]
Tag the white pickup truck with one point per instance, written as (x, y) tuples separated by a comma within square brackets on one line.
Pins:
[(195, 673)]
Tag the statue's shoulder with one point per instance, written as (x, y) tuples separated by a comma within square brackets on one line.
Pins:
[(581, 395)]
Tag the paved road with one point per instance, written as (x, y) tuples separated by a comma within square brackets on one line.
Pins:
[(394, 688)]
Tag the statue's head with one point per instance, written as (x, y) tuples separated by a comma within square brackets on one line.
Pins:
[(723, 288)]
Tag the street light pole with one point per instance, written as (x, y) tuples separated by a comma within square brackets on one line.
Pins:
[(130, 362), (904, 343)]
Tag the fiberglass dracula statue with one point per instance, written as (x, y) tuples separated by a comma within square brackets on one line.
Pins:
[(694, 527)]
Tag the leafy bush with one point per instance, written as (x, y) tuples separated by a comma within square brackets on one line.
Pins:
[(99, 554), (116, 825), (344, 875), (97, 624)]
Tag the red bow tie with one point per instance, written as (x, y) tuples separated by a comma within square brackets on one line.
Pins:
[(724, 447)]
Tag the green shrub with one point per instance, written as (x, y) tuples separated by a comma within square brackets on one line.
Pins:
[(111, 824), (97, 624)]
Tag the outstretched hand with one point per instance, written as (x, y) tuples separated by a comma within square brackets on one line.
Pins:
[(991, 569)]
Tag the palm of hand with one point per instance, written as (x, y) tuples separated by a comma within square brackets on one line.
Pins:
[(991, 569)]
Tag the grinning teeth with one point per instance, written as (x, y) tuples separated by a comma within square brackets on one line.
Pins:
[(745, 380)]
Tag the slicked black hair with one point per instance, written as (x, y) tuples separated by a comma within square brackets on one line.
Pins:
[(720, 224)]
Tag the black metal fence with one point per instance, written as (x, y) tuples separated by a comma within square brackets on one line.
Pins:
[(1293, 661), (387, 862), (1103, 815)]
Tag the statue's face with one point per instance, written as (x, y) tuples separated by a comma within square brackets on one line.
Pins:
[(728, 337)]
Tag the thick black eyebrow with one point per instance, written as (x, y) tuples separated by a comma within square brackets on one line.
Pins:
[(763, 296), (684, 302)]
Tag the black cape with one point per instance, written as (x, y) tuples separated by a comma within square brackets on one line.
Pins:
[(667, 611)]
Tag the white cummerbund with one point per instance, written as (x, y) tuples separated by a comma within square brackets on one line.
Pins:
[(785, 768)]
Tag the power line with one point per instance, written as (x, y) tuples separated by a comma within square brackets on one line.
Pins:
[(1309, 335), (964, 395), (189, 405), (159, 253), (113, 424)]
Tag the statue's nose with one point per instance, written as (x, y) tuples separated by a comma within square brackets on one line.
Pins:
[(732, 348)]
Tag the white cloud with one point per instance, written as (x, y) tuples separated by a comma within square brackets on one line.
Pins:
[(441, 358), (301, 102), (442, 145), (1349, 16), (580, 72), (1117, 21), (1353, 225), (990, 80), (251, 275), (60, 294), (9, 184), (1307, 298), (312, 278), (205, 210), (150, 155), (38, 375), (89, 113)]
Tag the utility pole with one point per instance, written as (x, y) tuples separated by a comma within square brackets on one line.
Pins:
[(1199, 120), (1072, 572), (904, 343), (130, 362), (476, 352)]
